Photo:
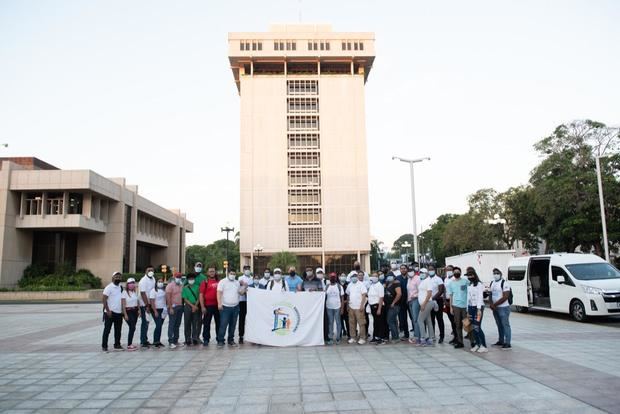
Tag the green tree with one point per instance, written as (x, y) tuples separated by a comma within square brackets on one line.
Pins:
[(213, 254), (468, 232), (432, 239), (375, 254), (397, 250), (283, 260)]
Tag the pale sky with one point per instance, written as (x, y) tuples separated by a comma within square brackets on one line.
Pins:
[(143, 90)]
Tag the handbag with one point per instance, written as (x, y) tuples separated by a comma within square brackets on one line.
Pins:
[(467, 326)]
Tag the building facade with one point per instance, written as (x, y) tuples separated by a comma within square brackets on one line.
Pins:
[(304, 180), (50, 216)]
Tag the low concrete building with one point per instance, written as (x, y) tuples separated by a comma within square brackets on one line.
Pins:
[(51, 216)]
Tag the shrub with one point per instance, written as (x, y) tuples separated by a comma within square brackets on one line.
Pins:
[(62, 279)]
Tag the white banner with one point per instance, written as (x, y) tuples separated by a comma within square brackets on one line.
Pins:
[(279, 318)]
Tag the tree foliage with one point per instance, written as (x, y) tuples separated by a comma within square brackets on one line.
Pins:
[(213, 254), (283, 260)]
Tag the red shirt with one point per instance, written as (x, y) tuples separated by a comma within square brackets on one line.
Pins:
[(208, 289)]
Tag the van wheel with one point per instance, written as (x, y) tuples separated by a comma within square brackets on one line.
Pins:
[(578, 311), (522, 309)]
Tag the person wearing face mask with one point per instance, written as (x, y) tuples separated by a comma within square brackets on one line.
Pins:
[(403, 323), (457, 293), (208, 305), (425, 297), (293, 281), (391, 299), (381, 277), (439, 290), (245, 281), (311, 283), (147, 283), (264, 281), (500, 295), (157, 296), (413, 285), (375, 300), (277, 283), (174, 302), (228, 291), (357, 267), (320, 275), (357, 292), (200, 276), (112, 312), (344, 318), (191, 313), (447, 308), (334, 308), (130, 302), (475, 309)]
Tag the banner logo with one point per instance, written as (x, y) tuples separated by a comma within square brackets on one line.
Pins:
[(286, 318)]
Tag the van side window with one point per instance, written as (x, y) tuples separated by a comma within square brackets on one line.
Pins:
[(516, 273), (558, 271)]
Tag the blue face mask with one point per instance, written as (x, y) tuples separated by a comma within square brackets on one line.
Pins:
[(431, 273), (198, 269), (353, 279), (423, 276)]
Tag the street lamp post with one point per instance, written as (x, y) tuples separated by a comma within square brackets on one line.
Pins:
[(497, 220), (411, 162), (406, 245), (227, 230), (602, 203), (258, 249)]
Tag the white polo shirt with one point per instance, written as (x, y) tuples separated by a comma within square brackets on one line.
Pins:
[(355, 292), (425, 286), (497, 292), (113, 293), (249, 282), (436, 281), (131, 298), (230, 292), (375, 292), (146, 285), (159, 296)]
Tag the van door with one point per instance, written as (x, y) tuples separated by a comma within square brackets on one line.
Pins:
[(538, 274), (561, 293), (519, 285)]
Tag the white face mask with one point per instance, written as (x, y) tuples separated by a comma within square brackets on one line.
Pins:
[(150, 274), (160, 285), (178, 280), (277, 276), (497, 277), (374, 279), (191, 281), (198, 269), (411, 274), (266, 275), (231, 277), (449, 273), (246, 272), (320, 276)]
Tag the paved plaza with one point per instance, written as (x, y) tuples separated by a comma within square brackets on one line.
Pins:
[(50, 362)]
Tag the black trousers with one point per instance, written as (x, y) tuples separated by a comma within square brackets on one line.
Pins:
[(403, 324), (325, 330), (243, 310), (211, 313), (451, 318), (117, 320), (345, 323), (132, 315), (379, 322), (438, 315)]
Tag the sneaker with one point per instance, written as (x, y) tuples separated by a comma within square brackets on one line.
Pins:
[(475, 348), (158, 345), (506, 347), (118, 348), (459, 346), (131, 347), (374, 341), (172, 346), (482, 350), (404, 338), (220, 345), (233, 344), (498, 343), (440, 341), (241, 340), (205, 343), (330, 342), (361, 342), (412, 341), (351, 341), (145, 345), (104, 348), (452, 342), (429, 342), (381, 342), (337, 341)]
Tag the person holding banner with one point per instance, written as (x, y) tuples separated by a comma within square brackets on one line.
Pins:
[(357, 302), (277, 283), (228, 292), (311, 284), (264, 281), (334, 306), (293, 281)]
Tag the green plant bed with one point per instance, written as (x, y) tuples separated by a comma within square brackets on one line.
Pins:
[(35, 278)]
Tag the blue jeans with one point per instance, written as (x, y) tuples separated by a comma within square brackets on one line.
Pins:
[(174, 324), (392, 316), (159, 322), (414, 308), (478, 334), (502, 320), (228, 320), (333, 315), (144, 325)]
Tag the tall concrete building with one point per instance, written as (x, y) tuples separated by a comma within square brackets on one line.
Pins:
[(304, 180), (50, 216)]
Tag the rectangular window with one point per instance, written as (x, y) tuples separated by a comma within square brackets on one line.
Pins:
[(247, 45), (281, 45), (348, 45), (309, 45), (302, 105), (304, 216), (303, 160), (288, 45), (327, 46), (305, 237), (304, 178), (304, 197), (303, 141), (303, 123), (260, 45), (75, 203), (302, 87), (322, 46), (344, 46), (242, 45), (54, 203), (355, 45), (294, 45), (276, 46), (253, 45), (361, 46)]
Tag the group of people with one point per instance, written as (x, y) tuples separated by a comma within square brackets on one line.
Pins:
[(405, 303)]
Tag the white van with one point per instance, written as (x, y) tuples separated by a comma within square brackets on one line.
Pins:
[(579, 284)]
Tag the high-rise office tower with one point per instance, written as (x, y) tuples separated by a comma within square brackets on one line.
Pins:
[(304, 179)]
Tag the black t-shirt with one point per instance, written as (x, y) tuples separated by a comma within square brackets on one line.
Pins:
[(390, 293)]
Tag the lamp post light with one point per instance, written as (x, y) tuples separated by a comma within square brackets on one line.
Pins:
[(497, 220), (422, 258), (406, 245), (411, 162), (227, 229), (258, 249)]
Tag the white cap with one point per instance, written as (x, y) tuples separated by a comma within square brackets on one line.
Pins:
[(423, 270), (116, 273), (131, 280), (319, 270), (277, 269)]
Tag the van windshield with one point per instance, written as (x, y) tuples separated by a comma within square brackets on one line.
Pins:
[(593, 271)]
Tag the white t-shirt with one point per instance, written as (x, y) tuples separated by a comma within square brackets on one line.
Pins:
[(277, 285), (113, 293), (146, 285), (354, 272), (475, 295), (355, 292), (160, 298), (436, 281), (425, 286), (230, 292), (131, 298), (497, 292), (375, 293), (249, 281), (334, 295)]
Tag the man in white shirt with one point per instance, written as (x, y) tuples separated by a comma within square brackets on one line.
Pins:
[(375, 300), (245, 280), (277, 283), (147, 283), (112, 312), (357, 292), (228, 291), (500, 304), (334, 308)]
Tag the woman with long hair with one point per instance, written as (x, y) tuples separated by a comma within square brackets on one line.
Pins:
[(131, 309), (475, 309)]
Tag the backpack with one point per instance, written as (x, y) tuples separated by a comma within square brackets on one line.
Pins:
[(509, 292), (272, 282)]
